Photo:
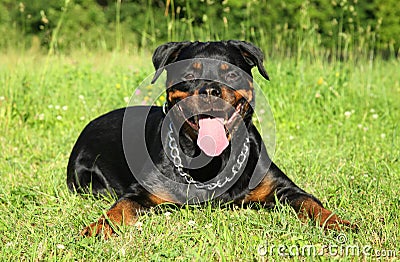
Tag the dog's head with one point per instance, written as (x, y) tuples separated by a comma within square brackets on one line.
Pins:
[(211, 85)]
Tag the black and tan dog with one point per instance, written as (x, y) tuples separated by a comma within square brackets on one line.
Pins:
[(217, 77)]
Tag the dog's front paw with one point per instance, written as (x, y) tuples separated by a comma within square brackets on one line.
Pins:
[(123, 212), (310, 208), (335, 223), (100, 228)]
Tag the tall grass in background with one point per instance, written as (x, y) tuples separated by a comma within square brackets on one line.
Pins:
[(53, 40), (349, 39), (280, 41)]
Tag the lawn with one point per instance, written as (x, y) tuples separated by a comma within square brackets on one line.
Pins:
[(337, 136)]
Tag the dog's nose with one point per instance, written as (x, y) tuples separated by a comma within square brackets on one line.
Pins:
[(210, 90)]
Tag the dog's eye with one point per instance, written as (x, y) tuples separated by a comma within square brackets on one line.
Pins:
[(189, 76), (231, 76)]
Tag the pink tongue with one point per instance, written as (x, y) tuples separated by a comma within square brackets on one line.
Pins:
[(212, 138)]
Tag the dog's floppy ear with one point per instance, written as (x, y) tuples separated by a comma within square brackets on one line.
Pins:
[(166, 54), (252, 54)]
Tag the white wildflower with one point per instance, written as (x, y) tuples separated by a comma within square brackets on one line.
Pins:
[(208, 225), (139, 225)]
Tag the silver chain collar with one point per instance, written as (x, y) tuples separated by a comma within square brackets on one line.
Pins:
[(177, 160)]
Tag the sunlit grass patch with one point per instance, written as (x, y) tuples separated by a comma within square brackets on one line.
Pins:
[(341, 145)]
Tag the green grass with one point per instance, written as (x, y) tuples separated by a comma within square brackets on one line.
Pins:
[(337, 137)]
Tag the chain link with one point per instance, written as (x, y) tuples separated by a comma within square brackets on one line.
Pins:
[(177, 160)]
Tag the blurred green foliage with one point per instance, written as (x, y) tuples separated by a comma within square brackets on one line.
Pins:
[(339, 26)]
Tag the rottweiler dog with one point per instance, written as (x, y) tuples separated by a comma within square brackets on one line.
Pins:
[(200, 146)]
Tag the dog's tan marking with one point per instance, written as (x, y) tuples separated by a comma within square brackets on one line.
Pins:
[(308, 208), (123, 212), (247, 94), (250, 84), (264, 192), (160, 198), (173, 95), (224, 66), (228, 95), (197, 65)]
